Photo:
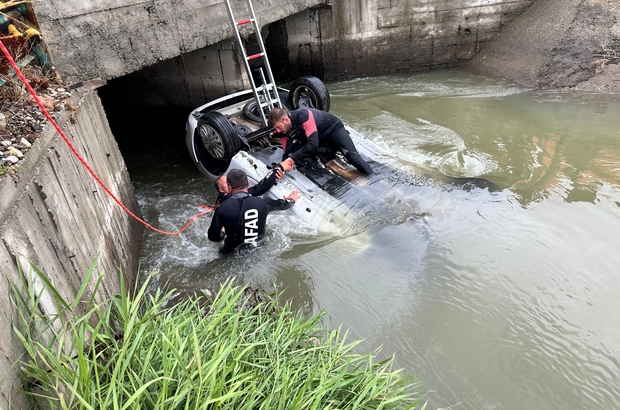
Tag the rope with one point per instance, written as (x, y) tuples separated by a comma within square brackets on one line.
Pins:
[(79, 157)]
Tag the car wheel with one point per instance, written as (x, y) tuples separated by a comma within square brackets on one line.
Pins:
[(217, 142), (308, 92)]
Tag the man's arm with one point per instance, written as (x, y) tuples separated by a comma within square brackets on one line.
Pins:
[(220, 198), (216, 232), (266, 183), (282, 204)]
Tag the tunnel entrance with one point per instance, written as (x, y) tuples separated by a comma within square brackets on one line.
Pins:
[(140, 127)]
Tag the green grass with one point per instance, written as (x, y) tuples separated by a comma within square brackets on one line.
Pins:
[(6, 168), (237, 350)]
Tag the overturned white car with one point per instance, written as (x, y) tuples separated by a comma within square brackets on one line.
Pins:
[(229, 132)]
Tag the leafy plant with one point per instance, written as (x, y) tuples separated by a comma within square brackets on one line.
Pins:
[(236, 350), (7, 169)]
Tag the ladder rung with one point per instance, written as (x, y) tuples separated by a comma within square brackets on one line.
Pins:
[(269, 103), (266, 103), (253, 56), (264, 92), (242, 22)]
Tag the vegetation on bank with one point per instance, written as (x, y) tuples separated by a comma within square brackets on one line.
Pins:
[(6, 169), (21, 119), (236, 350)]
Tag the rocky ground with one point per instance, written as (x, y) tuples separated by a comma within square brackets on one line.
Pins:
[(21, 119), (558, 44), (587, 56)]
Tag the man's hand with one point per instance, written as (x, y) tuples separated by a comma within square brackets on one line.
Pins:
[(279, 174), (294, 195), (288, 164)]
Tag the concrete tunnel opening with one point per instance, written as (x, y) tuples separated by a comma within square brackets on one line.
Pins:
[(147, 109)]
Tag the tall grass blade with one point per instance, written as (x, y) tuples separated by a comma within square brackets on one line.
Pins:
[(234, 350)]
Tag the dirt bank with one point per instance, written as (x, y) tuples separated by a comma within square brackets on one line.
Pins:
[(559, 44)]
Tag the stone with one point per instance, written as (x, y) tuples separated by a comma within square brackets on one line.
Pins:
[(6, 143), (11, 159), (24, 143), (48, 101), (12, 151), (2, 121)]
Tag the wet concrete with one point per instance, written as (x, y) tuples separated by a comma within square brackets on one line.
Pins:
[(53, 212)]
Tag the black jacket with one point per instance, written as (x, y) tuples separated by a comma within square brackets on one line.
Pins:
[(243, 218), (311, 129)]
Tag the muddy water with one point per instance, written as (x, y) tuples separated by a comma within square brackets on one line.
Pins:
[(503, 299)]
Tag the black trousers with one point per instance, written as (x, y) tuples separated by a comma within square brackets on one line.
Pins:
[(341, 140)]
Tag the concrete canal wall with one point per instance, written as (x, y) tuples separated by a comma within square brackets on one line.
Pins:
[(111, 38), (53, 213), (182, 53), (360, 38)]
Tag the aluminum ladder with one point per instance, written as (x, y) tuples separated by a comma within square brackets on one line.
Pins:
[(266, 95)]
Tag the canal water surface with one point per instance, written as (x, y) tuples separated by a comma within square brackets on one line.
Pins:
[(501, 299)]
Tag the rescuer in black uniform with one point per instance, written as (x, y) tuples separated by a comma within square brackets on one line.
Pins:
[(310, 132), (240, 219)]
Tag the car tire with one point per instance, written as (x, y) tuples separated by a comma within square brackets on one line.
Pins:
[(217, 142), (308, 92), (250, 110)]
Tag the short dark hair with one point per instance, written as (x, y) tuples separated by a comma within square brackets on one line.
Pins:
[(275, 115), (237, 179)]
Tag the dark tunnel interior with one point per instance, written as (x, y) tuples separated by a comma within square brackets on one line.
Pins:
[(143, 131)]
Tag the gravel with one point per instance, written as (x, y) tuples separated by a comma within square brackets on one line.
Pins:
[(21, 119)]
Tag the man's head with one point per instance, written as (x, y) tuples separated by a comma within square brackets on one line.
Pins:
[(237, 180), (278, 119), (222, 185)]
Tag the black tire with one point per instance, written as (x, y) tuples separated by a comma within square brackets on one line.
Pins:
[(308, 92), (216, 142), (250, 110)]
